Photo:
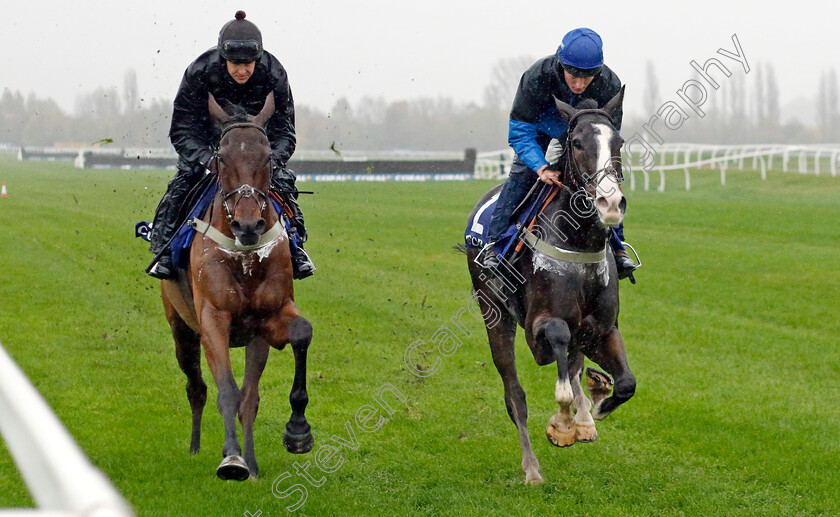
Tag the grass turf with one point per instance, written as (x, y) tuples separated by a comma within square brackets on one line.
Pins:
[(731, 332)]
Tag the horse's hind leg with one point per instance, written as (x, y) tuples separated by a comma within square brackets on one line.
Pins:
[(256, 355), (612, 357), (188, 352), (501, 338), (584, 424), (561, 426)]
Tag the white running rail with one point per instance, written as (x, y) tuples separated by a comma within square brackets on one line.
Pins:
[(61, 479), (808, 159)]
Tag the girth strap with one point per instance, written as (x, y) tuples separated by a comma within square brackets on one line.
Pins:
[(232, 244), (560, 254)]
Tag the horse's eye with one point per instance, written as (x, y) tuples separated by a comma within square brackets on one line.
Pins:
[(577, 144)]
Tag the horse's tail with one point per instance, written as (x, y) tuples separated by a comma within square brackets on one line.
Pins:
[(460, 248)]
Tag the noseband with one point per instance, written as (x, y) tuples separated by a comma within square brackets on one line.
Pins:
[(245, 191)]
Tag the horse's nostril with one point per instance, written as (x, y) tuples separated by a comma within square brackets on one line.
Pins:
[(235, 226), (602, 203), (260, 226)]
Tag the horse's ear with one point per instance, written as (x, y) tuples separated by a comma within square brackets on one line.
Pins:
[(614, 105), (566, 111), (266, 112), (216, 111)]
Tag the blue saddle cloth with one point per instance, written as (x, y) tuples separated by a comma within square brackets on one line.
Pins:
[(183, 239), (477, 227)]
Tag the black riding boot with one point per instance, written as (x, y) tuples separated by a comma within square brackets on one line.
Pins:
[(166, 223), (283, 181), (623, 263)]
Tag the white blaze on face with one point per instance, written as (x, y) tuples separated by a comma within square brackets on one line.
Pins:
[(607, 194)]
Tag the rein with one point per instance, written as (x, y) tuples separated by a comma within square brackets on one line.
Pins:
[(571, 167)]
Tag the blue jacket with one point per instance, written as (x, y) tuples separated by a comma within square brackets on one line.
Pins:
[(534, 119)]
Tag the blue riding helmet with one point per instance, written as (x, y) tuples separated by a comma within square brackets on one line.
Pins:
[(581, 52)]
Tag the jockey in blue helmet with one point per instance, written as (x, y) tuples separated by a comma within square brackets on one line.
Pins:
[(574, 73)]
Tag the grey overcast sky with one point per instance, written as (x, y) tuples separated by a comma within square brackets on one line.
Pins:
[(403, 50)]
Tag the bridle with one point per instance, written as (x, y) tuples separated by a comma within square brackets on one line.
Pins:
[(244, 191), (570, 165)]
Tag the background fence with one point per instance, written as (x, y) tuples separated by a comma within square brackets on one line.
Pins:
[(420, 166), (804, 159)]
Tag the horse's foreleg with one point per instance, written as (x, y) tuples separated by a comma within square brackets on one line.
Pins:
[(256, 355), (584, 424), (612, 357), (298, 436), (215, 334), (561, 426)]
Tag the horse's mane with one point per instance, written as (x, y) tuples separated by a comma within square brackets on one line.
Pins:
[(586, 104), (237, 112)]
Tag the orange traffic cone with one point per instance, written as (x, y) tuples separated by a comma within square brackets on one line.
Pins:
[(3, 190)]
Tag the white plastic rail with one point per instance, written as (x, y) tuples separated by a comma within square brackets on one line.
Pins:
[(61, 479)]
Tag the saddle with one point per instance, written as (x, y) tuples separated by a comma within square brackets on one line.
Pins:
[(198, 203), (477, 227)]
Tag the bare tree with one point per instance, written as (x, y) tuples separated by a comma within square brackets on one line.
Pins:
[(131, 93), (772, 102), (102, 103), (827, 105), (737, 106), (504, 79), (759, 99), (831, 104), (651, 99)]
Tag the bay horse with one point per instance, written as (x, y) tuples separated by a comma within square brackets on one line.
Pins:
[(238, 292), (562, 288)]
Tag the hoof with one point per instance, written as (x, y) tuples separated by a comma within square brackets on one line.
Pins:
[(585, 433), (559, 434), (596, 412), (233, 468), (298, 443), (598, 384), (533, 479)]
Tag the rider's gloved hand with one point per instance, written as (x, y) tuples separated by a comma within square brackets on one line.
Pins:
[(547, 175)]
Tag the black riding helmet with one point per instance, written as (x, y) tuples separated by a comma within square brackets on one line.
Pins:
[(240, 41)]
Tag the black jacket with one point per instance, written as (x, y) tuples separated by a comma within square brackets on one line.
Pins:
[(534, 119), (194, 134)]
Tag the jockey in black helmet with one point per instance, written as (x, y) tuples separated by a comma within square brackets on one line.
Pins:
[(576, 72), (239, 71)]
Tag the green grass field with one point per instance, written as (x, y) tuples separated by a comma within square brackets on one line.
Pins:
[(731, 332)]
